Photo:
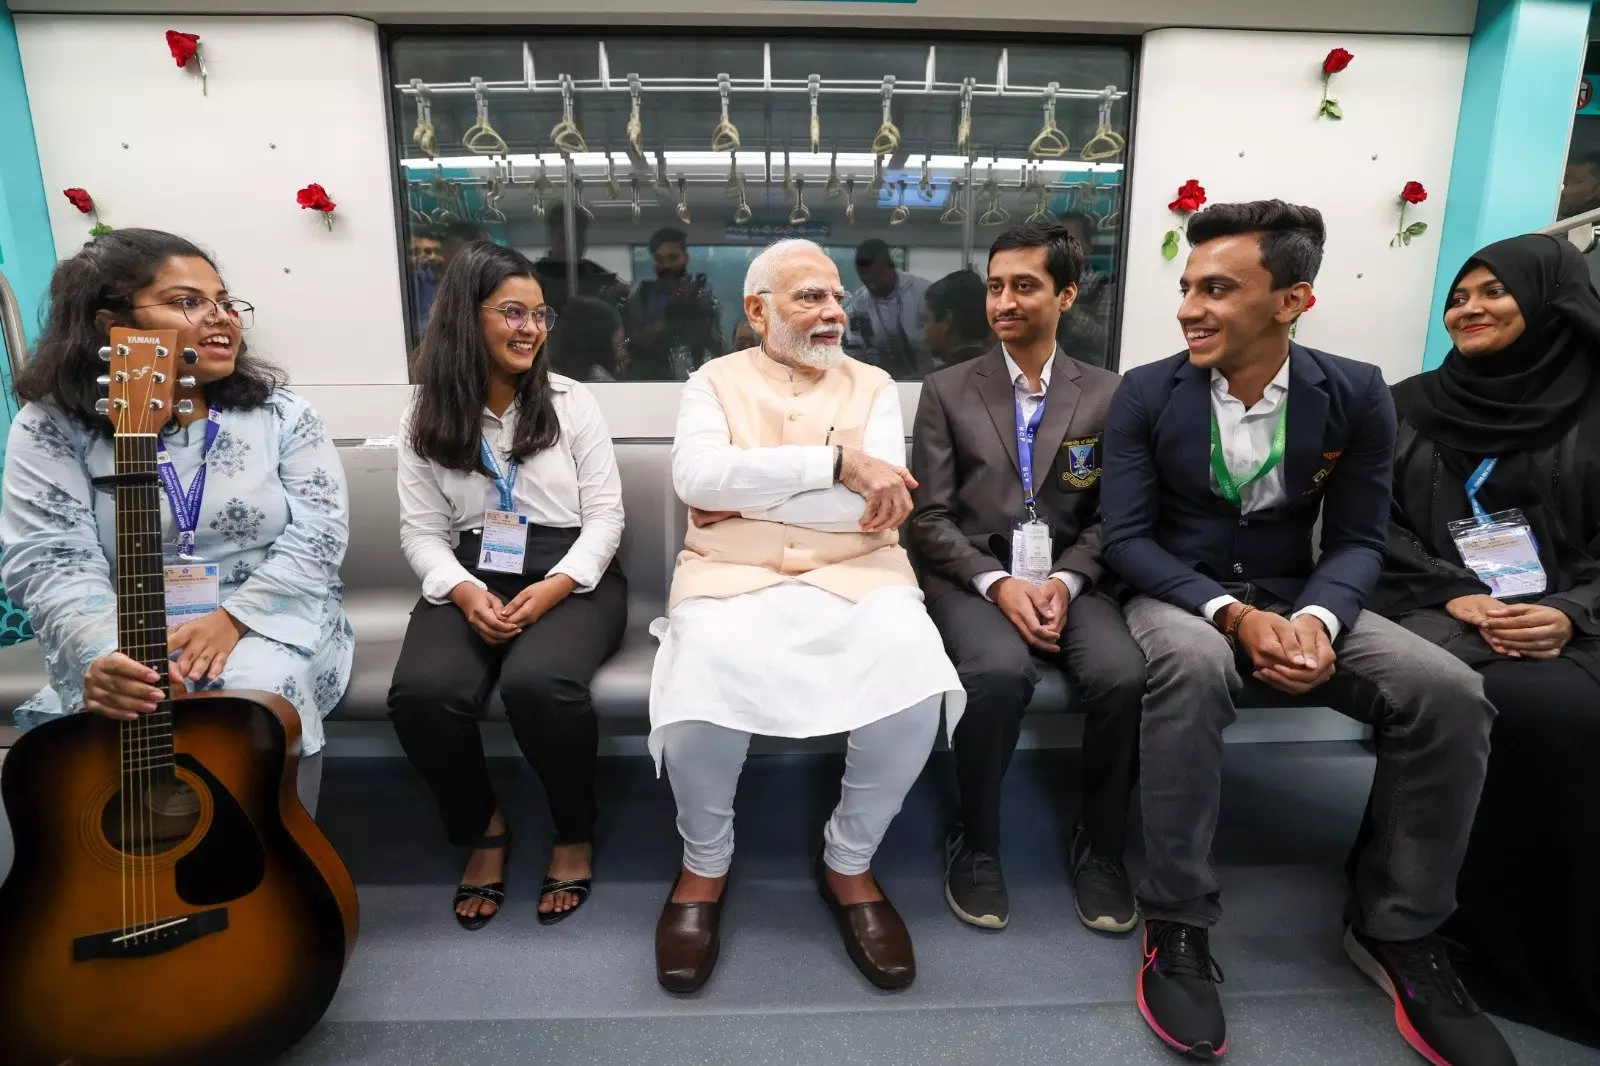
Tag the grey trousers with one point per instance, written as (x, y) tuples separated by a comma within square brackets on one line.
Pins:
[(1432, 724), (882, 763), (308, 782)]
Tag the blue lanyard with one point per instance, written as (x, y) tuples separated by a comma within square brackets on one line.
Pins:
[(502, 481), (186, 505), (1474, 483), (1026, 432)]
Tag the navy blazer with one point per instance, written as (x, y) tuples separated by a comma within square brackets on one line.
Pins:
[(1170, 536)]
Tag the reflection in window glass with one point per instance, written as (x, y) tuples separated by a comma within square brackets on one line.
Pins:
[(642, 175)]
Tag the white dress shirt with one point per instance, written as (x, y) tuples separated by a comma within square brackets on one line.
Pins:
[(1246, 436), (574, 483), (984, 583)]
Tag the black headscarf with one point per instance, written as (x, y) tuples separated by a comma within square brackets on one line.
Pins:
[(1526, 395)]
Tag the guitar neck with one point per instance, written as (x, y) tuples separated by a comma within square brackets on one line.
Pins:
[(141, 578)]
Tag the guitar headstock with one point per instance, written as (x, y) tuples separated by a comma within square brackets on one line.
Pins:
[(141, 379)]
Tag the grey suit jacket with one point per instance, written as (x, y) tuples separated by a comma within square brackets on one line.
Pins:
[(964, 457)]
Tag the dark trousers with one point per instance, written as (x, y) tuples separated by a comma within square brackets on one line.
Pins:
[(1432, 724), (446, 673), (999, 670)]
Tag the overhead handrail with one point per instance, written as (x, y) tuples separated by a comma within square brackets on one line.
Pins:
[(1587, 221)]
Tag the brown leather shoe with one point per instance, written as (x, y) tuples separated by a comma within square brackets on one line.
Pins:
[(687, 942), (874, 936)]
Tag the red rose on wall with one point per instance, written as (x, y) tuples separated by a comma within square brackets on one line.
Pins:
[(1311, 302), (1412, 193), (315, 198), (81, 199), (1191, 195), (184, 48), (1336, 61)]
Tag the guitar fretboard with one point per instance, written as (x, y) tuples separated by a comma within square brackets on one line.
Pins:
[(142, 593)]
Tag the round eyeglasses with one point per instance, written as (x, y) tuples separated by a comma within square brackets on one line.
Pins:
[(541, 318), (199, 310)]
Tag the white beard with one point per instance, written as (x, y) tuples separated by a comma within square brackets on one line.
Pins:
[(789, 346)]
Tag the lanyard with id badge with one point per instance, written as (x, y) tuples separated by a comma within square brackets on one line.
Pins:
[(1232, 490), (1498, 547), (194, 588), (505, 532), (1030, 536)]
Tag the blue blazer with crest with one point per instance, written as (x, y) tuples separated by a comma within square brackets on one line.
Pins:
[(1170, 536)]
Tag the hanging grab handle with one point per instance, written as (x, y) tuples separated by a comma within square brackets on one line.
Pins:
[(1106, 143), (482, 138), (814, 85), (635, 122), (424, 134), (1050, 143), (964, 130), (725, 138), (887, 140), (565, 134)]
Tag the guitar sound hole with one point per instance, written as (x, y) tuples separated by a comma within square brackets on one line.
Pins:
[(158, 815)]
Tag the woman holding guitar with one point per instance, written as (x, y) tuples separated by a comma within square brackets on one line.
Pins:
[(254, 518)]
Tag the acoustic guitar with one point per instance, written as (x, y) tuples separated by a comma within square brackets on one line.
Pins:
[(171, 902)]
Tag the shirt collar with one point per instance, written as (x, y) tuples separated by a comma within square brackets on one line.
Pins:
[(1275, 388), (1017, 377)]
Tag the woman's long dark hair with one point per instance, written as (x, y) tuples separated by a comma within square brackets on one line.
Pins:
[(103, 276), (453, 364)]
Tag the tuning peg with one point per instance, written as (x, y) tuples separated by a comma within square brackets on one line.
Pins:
[(186, 407), (158, 377), (104, 380), (102, 406), (191, 356), (186, 382), (161, 352), (124, 351), (156, 405), (105, 354)]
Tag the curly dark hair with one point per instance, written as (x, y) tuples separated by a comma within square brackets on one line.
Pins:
[(453, 362), (103, 276)]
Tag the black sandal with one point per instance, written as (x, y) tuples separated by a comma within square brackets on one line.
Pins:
[(578, 886), (494, 892)]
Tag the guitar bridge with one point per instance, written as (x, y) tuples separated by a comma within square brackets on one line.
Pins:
[(152, 938)]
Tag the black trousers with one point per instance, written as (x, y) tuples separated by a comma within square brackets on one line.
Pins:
[(999, 671), (446, 673)]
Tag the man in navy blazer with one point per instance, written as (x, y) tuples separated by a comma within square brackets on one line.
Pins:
[(1218, 463)]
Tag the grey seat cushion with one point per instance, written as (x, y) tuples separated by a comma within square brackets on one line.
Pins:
[(380, 591)]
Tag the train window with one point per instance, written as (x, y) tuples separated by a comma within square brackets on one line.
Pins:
[(642, 174)]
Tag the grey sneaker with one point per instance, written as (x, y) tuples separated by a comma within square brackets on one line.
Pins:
[(973, 885), (1105, 895)]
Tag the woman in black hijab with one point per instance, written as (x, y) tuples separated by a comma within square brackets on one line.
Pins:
[(1521, 387)]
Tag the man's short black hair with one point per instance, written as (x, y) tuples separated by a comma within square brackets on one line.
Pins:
[(1062, 256), (668, 235), (1291, 236), (961, 294), (555, 218), (873, 250)]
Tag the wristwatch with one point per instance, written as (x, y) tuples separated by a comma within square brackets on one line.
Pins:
[(838, 461)]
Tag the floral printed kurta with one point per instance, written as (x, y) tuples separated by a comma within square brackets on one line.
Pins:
[(275, 519)]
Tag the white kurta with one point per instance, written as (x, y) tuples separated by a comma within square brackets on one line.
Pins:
[(790, 660)]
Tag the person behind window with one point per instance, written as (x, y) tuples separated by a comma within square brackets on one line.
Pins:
[(457, 235), (673, 322), (510, 514), (593, 347), (1085, 330), (427, 262), (793, 611), (744, 336), (552, 273), (262, 500), (1010, 566), (1508, 429), (1580, 185), (956, 325), (1232, 605), (885, 314)]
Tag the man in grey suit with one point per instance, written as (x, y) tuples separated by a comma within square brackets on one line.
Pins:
[(1006, 452)]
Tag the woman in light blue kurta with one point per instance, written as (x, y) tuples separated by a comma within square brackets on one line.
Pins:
[(273, 515)]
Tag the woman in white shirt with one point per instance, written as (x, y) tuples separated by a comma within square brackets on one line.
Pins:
[(511, 512)]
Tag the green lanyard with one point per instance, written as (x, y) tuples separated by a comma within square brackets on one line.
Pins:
[(1230, 488)]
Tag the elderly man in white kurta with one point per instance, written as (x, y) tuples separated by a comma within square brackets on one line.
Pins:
[(793, 611)]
